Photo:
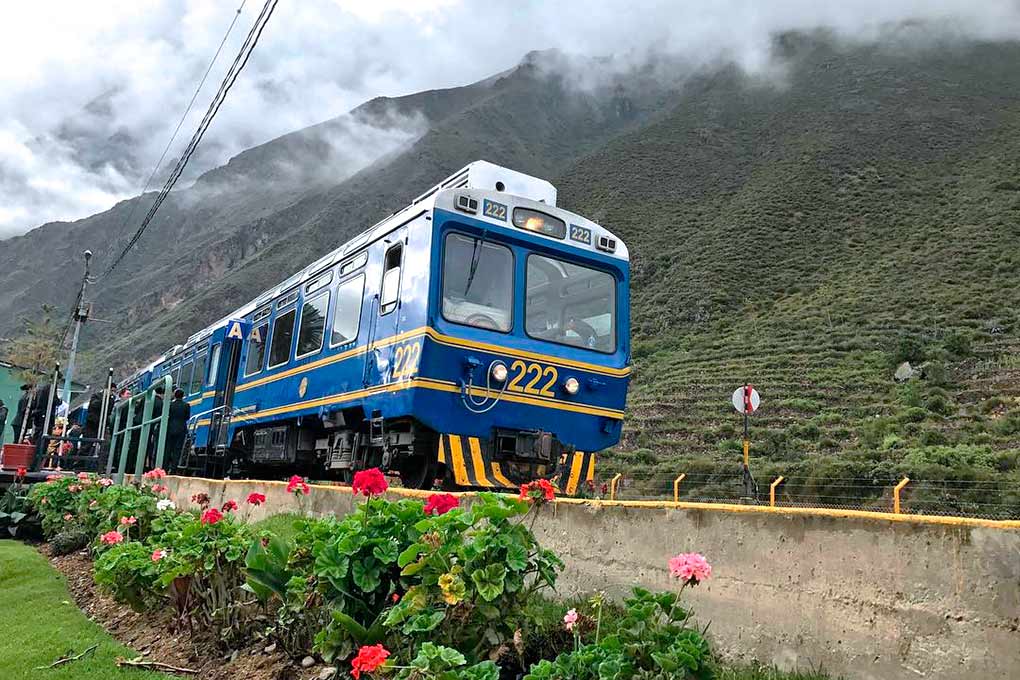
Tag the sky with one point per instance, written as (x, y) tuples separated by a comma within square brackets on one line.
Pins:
[(91, 91)]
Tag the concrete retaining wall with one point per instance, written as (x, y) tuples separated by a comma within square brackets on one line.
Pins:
[(865, 595)]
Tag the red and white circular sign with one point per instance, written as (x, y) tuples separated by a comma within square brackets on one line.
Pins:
[(746, 398)]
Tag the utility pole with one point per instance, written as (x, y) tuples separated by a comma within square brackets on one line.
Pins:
[(80, 316)]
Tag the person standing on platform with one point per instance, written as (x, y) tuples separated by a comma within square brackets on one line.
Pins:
[(19, 415), (176, 430), (3, 422)]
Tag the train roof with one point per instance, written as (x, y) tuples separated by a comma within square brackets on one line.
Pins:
[(480, 175)]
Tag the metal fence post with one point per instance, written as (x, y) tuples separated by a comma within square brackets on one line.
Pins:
[(111, 456), (612, 486), (772, 490), (143, 437), (896, 494), (164, 418), (676, 487)]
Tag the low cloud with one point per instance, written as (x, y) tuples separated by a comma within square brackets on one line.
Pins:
[(90, 97)]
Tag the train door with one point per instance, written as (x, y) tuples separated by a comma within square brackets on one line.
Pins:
[(224, 361), (385, 359)]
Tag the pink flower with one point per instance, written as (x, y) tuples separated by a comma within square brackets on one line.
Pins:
[(158, 554), (297, 486), (230, 506), (155, 473), (111, 538), (255, 498), (441, 503), (105, 481), (53, 478), (93, 503), (68, 517), (83, 476), (159, 488), (691, 568), (211, 516), (74, 488), (129, 521), (570, 619)]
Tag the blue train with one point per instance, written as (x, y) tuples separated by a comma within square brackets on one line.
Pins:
[(480, 336)]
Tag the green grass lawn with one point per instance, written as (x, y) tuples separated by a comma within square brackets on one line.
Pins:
[(39, 622)]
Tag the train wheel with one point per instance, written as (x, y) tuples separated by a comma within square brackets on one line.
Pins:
[(416, 472)]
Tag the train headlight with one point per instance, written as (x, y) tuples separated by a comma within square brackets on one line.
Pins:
[(571, 386), (499, 372)]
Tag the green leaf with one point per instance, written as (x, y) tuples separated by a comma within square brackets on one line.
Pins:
[(516, 557), (366, 574), (424, 622), (410, 554), (489, 581), (387, 551)]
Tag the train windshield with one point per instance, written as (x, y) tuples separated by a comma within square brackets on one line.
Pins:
[(478, 283), (570, 304)]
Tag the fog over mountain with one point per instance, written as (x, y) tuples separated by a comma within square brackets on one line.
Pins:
[(91, 97)]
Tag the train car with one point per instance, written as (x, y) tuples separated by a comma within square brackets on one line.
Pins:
[(479, 336)]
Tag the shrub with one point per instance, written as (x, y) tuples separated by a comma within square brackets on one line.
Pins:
[(128, 572), (651, 640)]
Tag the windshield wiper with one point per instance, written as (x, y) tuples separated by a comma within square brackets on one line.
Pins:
[(475, 256)]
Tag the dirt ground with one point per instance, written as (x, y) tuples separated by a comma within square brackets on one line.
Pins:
[(151, 634)]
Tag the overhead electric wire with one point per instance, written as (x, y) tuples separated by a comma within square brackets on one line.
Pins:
[(184, 117), (228, 81)]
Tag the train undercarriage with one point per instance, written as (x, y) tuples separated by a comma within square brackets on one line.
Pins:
[(335, 448)]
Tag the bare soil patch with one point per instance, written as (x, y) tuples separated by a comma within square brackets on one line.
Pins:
[(153, 634)]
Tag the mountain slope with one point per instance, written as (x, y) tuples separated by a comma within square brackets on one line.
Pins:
[(806, 235), (807, 239)]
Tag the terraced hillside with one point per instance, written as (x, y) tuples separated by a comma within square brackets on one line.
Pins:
[(808, 239)]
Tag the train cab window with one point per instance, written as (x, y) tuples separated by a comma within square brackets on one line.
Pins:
[(214, 365), (570, 304), (391, 279), (478, 283), (256, 350), (347, 311), (313, 325), (196, 379), (283, 333)]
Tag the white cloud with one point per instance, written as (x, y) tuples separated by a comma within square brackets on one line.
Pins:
[(93, 90)]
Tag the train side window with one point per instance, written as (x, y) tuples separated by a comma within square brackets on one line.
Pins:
[(347, 311), (391, 279), (313, 325), (185, 383), (196, 378), (214, 365), (283, 333), (256, 350)]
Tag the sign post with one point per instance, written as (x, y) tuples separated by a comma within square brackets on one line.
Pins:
[(746, 400)]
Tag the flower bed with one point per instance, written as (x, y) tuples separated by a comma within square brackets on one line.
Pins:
[(401, 589)]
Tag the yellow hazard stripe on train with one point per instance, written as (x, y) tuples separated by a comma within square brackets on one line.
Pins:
[(470, 464)]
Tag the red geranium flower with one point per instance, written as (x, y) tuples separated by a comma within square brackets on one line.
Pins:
[(201, 499), (441, 503), (369, 658), (255, 498), (230, 506), (21, 473), (298, 486), (211, 516), (540, 490), (369, 482)]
